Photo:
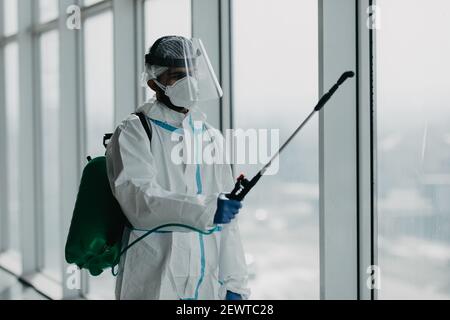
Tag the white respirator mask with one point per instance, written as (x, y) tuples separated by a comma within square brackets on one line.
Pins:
[(183, 93)]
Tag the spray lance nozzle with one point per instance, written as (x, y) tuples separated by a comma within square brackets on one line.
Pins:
[(329, 94), (345, 76)]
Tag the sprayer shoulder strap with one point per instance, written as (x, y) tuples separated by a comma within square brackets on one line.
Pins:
[(148, 129)]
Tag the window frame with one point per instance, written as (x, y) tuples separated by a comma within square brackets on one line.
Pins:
[(3, 170), (347, 219), (7, 261), (70, 159), (367, 151)]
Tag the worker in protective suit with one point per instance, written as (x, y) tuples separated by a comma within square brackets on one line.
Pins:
[(153, 190)]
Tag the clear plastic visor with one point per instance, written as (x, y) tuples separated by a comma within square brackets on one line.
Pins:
[(193, 69)]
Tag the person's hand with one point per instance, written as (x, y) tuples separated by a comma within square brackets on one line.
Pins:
[(231, 296), (226, 210)]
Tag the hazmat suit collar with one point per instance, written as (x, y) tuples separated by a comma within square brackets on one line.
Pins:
[(156, 110)]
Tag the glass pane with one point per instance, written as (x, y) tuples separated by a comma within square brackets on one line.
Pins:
[(99, 80), (48, 10), (11, 18), (414, 149), (50, 150), (158, 25), (99, 84), (88, 3), (276, 87), (12, 142)]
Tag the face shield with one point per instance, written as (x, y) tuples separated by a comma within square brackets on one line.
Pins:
[(188, 75)]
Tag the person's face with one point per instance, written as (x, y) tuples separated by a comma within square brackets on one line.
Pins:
[(169, 78), (173, 75)]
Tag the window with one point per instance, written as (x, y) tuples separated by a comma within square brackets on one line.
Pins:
[(99, 80), (49, 55), (88, 3), (12, 143), (158, 22), (414, 149), (99, 106), (48, 10), (11, 18), (275, 87)]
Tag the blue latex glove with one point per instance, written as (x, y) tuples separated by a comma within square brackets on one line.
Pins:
[(231, 296), (226, 210)]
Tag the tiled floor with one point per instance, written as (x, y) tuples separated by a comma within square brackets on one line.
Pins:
[(12, 289)]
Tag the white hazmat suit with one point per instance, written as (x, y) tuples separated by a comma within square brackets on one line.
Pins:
[(152, 191)]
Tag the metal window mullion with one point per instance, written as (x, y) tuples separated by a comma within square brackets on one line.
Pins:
[(38, 145), (70, 129), (97, 9), (27, 131), (374, 150), (367, 152), (140, 46), (338, 153), (8, 39), (82, 129), (125, 78), (226, 34), (44, 27), (3, 155)]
